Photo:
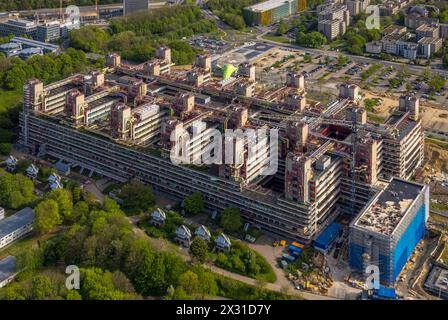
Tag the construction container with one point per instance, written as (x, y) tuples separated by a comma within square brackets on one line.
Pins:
[(326, 238), (296, 253), (298, 245), (292, 248), (288, 257)]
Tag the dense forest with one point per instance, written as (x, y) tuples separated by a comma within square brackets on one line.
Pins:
[(231, 11), (15, 71), (39, 4), (114, 262), (136, 36)]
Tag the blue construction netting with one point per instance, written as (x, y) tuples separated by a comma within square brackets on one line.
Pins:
[(410, 238), (385, 293), (327, 236), (390, 266)]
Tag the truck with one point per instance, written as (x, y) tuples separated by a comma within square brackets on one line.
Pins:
[(288, 257)]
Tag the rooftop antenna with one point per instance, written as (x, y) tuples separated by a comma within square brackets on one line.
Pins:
[(60, 9)]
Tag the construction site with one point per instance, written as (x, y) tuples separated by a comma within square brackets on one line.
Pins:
[(332, 161)]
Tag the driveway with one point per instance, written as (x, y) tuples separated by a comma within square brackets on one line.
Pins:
[(264, 246)]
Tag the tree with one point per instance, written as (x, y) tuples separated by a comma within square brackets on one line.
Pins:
[(89, 38), (111, 205), (29, 260), (80, 211), (14, 291), (342, 60), (76, 194), (47, 216), (97, 284), (41, 287), (64, 201), (355, 44), (313, 39), (16, 190), (436, 83), (194, 203), (231, 219), (5, 148), (408, 87), (136, 196), (282, 28), (151, 277), (307, 58), (73, 295), (189, 281), (199, 249)]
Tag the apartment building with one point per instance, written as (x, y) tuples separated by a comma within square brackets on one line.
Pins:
[(427, 31), (416, 16), (356, 7), (16, 226), (429, 46), (333, 19)]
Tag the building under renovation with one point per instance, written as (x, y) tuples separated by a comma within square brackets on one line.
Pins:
[(386, 232), (126, 121)]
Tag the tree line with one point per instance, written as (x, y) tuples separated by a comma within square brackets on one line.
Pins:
[(114, 262), (41, 4), (137, 35)]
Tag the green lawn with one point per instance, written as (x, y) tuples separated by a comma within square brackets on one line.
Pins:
[(376, 118), (9, 99), (28, 241), (278, 39)]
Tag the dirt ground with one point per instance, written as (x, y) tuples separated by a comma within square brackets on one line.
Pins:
[(434, 119), (274, 56), (387, 106), (264, 247), (436, 160)]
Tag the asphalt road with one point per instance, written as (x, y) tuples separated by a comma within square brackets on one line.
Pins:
[(417, 70)]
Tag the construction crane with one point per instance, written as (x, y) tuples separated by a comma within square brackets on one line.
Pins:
[(354, 140)]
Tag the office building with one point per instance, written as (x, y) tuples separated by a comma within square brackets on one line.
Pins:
[(18, 28), (271, 11), (48, 31), (131, 6)]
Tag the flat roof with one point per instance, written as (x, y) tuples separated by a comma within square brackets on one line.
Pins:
[(35, 43), (268, 5), (7, 267), (16, 221), (437, 281), (389, 208), (427, 27), (429, 40)]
